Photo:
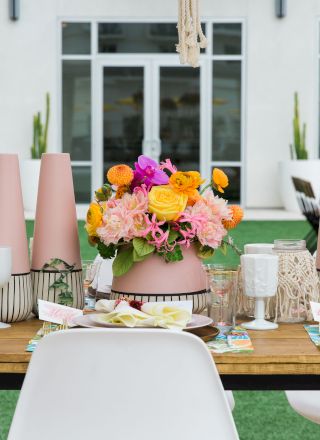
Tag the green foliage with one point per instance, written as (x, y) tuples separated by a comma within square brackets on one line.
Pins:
[(142, 247), (298, 150), (104, 193), (40, 132), (173, 235), (205, 252), (223, 248), (137, 258), (66, 295), (66, 298), (174, 255), (123, 262), (106, 251)]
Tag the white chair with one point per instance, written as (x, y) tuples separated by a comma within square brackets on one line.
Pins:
[(230, 399), (305, 403), (122, 384)]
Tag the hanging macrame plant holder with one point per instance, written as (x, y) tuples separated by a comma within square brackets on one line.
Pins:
[(191, 37)]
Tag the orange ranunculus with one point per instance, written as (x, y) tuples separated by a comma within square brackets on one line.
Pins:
[(194, 198), (121, 191), (237, 216), (185, 182), (220, 179), (120, 175), (94, 219)]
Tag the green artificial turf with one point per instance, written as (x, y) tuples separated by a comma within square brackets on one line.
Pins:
[(263, 415)]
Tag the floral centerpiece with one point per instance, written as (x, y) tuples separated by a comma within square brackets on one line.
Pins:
[(157, 210)]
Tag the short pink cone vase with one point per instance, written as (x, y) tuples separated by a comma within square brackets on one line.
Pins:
[(155, 280), (56, 230), (16, 296)]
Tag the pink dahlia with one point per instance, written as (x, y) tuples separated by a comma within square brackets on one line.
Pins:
[(124, 218), (217, 204)]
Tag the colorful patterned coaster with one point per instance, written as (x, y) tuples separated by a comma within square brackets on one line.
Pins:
[(233, 341), (313, 332), (47, 328)]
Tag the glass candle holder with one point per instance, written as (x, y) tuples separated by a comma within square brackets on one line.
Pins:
[(222, 291), (298, 281)]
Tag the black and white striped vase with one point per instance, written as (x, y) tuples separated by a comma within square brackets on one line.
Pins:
[(43, 279), (198, 298), (16, 299)]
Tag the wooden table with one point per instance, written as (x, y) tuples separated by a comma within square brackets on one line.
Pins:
[(282, 359)]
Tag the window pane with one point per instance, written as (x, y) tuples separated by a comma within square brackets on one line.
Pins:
[(226, 124), (76, 109), (137, 37), (180, 116), (232, 193), (122, 114), (76, 38), (82, 183), (227, 39)]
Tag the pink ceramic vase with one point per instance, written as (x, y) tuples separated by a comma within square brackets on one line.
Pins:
[(155, 280), (56, 230), (16, 296)]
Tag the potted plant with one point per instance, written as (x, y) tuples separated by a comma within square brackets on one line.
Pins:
[(30, 168), (299, 164), (157, 225)]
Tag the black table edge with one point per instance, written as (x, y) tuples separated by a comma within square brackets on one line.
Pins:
[(235, 382), (270, 382)]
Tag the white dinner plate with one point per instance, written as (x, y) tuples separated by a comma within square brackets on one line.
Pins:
[(88, 321)]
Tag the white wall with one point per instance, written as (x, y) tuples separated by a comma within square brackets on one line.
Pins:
[(281, 59)]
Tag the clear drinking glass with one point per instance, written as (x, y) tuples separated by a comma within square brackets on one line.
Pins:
[(222, 292), (89, 271)]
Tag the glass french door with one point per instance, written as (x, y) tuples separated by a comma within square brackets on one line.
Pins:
[(146, 106)]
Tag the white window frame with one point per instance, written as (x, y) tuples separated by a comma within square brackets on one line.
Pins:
[(206, 79)]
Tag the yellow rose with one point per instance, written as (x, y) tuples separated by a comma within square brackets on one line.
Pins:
[(165, 203), (94, 219)]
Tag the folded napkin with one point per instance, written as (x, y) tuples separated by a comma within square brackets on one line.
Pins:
[(105, 305), (167, 315), (170, 315), (126, 315), (103, 275), (314, 333), (235, 341)]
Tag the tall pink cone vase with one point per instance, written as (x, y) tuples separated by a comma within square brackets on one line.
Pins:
[(16, 296), (318, 253), (56, 231), (155, 280)]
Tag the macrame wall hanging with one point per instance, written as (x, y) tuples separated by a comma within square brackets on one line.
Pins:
[(191, 37)]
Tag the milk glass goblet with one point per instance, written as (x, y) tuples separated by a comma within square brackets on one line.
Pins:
[(260, 281), (5, 271)]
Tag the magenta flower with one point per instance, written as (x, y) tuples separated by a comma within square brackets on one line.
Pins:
[(148, 172)]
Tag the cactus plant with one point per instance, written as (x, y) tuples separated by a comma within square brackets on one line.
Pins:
[(298, 150), (40, 132)]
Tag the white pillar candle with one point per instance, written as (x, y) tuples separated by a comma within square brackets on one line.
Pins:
[(258, 248)]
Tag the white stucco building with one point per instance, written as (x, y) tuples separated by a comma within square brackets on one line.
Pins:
[(117, 87)]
